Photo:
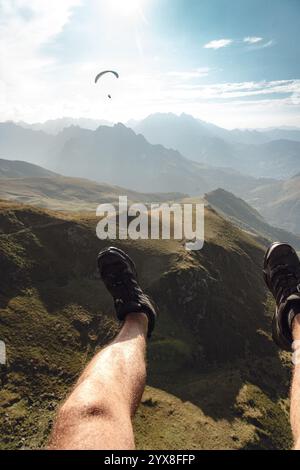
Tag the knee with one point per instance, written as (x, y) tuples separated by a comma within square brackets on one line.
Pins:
[(84, 403), (81, 410), (72, 416)]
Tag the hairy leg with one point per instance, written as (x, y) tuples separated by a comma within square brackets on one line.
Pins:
[(98, 412), (295, 390)]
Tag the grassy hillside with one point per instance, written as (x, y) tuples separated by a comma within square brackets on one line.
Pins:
[(71, 194), (215, 379), (21, 169)]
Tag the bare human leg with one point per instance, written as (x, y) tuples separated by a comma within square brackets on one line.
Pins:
[(295, 389), (98, 412)]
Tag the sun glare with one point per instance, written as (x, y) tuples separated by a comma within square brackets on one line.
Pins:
[(127, 8)]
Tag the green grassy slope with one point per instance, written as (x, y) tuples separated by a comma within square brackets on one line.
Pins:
[(215, 380)]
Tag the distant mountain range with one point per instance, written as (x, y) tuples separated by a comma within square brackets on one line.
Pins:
[(269, 153), (55, 126), (263, 136), (244, 136), (34, 146), (117, 155)]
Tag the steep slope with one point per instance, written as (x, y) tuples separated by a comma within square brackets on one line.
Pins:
[(218, 380), (279, 203), (59, 141), (244, 216)]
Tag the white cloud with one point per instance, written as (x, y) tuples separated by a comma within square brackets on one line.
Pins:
[(190, 74), (242, 104), (258, 43), (25, 27), (252, 39), (218, 44), (255, 41), (267, 44), (243, 90)]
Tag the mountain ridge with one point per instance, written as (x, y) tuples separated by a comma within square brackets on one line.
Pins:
[(148, 167), (194, 139), (55, 126), (207, 143)]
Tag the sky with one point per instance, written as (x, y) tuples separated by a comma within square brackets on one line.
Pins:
[(234, 63)]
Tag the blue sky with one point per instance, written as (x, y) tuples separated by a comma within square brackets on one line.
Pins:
[(275, 21), (231, 62)]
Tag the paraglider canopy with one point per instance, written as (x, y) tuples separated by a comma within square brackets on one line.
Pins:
[(104, 72)]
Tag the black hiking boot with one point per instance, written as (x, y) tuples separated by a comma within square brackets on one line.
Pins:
[(282, 276), (119, 275)]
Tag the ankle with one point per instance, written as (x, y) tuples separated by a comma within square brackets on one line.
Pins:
[(138, 319)]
